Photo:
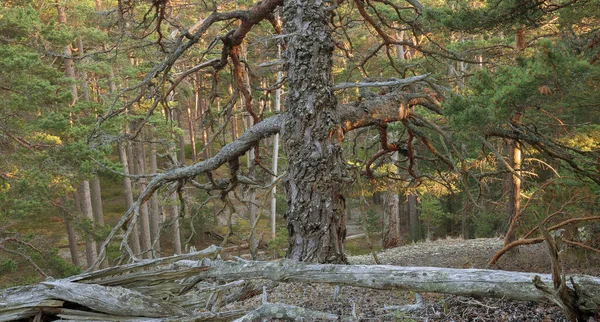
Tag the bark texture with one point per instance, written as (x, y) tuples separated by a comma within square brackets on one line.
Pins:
[(391, 220), (312, 134)]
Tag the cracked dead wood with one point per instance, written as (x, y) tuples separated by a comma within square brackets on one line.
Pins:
[(464, 282), (177, 288)]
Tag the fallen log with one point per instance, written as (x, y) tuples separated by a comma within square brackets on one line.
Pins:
[(26, 301), (112, 300), (464, 282), (180, 289)]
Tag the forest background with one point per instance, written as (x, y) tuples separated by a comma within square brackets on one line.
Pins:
[(481, 120)]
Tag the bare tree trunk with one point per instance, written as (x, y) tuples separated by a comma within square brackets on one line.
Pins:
[(400, 53), (252, 206), (72, 243), (134, 237), (191, 125), (172, 217), (312, 135), (155, 213), (86, 207), (71, 236), (514, 198), (391, 212), (94, 183), (139, 165), (70, 73), (171, 209), (97, 210), (414, 224), (181, 138), (275, 155)]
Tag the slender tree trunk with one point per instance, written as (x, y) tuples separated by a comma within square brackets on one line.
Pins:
[(275, 155), (312, 135), (202, 113), (72, 237), (191, 125), (400, 53), (171, 210), (139, 164), (514, 198), (252, 206), (155, 213), (412, 208), (86, 207), (97, 210), (134, 238), (70, 73), (172, 217), (94, 183), (72, 243), (181, 138)]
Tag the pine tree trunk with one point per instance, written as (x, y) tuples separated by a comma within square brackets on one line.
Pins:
[(139, 164), (97, 210), (312, 135), (134, 238), (71, 236), (181, 138), (191, 126), (72, 243), (86, 207), (155, 213), (172, 214), (275, 155), (171, 209), (391, 219), (414, 225), (514, 198)]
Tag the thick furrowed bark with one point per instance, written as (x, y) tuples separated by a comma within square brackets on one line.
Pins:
[(312, 134)]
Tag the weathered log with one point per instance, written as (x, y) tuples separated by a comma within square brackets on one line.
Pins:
[(112, 300), (465, 282), (95, 276), (23, 302), (142, 299)]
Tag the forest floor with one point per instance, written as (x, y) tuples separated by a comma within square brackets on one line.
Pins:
[(369, 305)]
